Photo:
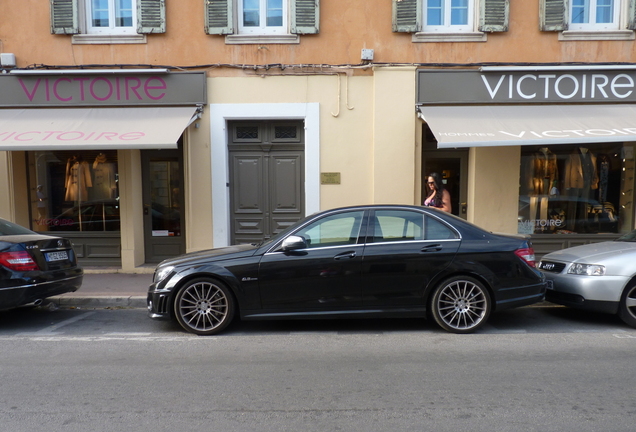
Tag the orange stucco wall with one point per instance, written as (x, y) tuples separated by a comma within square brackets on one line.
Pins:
[(346, 27)]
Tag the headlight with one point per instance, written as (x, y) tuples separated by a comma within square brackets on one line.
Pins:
[(162, 273), (587, 269)]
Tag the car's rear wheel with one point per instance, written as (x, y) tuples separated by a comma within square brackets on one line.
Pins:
[(204, 306), (627, 307), (461, 304)]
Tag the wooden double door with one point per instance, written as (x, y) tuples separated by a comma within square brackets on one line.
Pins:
[(266, 161)]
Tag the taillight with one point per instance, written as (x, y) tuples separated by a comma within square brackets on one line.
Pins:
[(18, 261), (526, 254)]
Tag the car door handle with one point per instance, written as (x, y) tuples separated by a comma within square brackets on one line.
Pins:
[(432, 248), (345, 255)]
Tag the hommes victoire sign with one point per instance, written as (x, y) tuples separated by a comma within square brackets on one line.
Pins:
[(436, 87)]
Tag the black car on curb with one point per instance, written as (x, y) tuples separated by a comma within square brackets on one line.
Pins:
[(363, 261), (34, 266)]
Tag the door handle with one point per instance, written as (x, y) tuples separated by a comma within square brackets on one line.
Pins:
[(432, 248), (345, 255)]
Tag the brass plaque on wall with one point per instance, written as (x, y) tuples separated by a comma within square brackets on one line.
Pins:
[(330, 178)]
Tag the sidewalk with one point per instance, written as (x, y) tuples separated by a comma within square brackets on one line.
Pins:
[(108, 288)]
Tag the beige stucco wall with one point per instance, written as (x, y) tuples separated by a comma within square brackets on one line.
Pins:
[(198, 185), (493, 188), (367, 127)]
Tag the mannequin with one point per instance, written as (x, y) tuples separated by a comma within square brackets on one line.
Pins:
[(581, 177), (544, 177)]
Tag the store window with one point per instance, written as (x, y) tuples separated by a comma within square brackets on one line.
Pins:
[(74, 190), (577, 189)]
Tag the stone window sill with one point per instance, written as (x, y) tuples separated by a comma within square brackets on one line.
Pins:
[(583, 35), (449, 37), (93, 39), (243, 39)]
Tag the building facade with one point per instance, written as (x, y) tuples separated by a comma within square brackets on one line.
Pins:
[(144, 129)]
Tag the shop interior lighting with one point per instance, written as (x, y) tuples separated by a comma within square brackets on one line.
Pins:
[(553, 68), (86, 71)]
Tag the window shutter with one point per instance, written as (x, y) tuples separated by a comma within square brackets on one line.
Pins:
[(151, 16), (631, 18), (64, 17), (305, 16), (405, 16), (553, 15), (494, 15), (219, 18)]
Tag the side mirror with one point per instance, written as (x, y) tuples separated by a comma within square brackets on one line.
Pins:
[(293, 243)]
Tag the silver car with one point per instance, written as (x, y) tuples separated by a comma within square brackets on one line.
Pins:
[(599, 277)]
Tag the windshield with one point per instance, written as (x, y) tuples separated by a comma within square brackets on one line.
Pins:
[(8, 228), (629, 237)]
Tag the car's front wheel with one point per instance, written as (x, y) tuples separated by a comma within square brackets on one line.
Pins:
[(627, 307), (461, 304), (204, 306)]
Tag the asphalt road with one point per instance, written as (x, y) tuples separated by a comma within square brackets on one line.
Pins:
[(531, 369)]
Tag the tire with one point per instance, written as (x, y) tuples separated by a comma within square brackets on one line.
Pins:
[(461, 304), (627, 306), (204, 307)]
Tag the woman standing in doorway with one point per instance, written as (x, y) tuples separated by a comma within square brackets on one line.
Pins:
[(438, 196)]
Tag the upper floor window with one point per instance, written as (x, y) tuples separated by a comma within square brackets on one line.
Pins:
[(594, 14), (263, 17), (262, 21), (111, 16), (108, 21), (449, 15), (450, 20), (589, 19)]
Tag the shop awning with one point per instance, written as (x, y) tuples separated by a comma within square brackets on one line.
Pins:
[(93, 128), (499, 125)]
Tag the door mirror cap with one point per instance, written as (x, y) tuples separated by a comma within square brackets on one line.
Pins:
[(293, 243)]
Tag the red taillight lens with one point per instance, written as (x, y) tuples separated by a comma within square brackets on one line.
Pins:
[(18, 261), (526, 254)]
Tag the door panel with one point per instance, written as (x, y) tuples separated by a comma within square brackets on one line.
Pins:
[(325, 276), (266, 178), (406, 250)]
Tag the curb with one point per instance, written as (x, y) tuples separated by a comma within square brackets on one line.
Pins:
[(135, 302)]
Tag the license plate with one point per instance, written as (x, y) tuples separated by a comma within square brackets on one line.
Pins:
[(56, 256), (549, 284)]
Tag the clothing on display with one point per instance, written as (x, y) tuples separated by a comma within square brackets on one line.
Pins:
[(78, 179), (105, 184)]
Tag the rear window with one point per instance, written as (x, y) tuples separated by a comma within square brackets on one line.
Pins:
[(9, 228)]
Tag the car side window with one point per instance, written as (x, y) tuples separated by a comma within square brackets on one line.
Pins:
[(397, 225), (333, 230), (436, 230)]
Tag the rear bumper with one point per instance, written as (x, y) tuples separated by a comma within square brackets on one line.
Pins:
[(15, 296)]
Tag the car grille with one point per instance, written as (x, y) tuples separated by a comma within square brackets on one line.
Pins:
[(551, 266)]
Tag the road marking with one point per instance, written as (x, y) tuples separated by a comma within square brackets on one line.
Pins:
[(51, 329), (52, 338)]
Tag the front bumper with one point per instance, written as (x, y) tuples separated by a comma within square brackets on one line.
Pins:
[(600, 293), (158, 302)]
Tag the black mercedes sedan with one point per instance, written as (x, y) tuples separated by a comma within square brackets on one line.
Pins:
[(34, 266), (364, 261)]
